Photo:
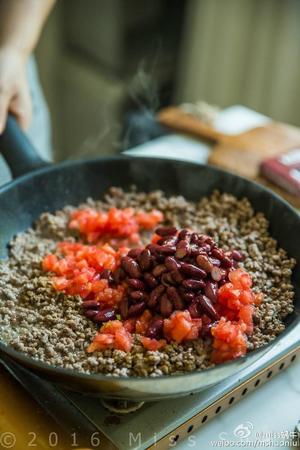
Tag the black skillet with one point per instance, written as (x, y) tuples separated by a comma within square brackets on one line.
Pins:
[(41, 187)]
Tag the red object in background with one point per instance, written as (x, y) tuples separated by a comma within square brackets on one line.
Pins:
[(284, 170)]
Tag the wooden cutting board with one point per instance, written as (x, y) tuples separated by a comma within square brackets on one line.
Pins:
[(241, 153)]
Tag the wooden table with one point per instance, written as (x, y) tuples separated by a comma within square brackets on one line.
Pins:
[(24, 425)]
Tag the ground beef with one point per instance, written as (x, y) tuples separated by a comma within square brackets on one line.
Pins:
[(49, 326)]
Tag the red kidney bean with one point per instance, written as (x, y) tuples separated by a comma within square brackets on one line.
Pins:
[(155, 329), (136, 284), (177, 277), (168, 241), (165, 249), (134, 252), (159, 270), (131, 267), (105, 315), (150, 280), (175, 297), (216, 274), (87, 304), (211, 291), (184, 235), (204, 263), (217, 253), (152, 248), (137, 295), (194, 310), (209, 240), (235, 264), (188, 296), (206, 330), (172, 264), (206, 248), (207, 306), (194, 285), (90, 313), (123, 307), (136, 309), (166, 231), (106, 275), (166, 306), (194, 250), (144, 259), (236, 255), (167, 279), (118, 275), (226, 262), (155, 294), (194, 271), (194, 238), (221, 282), (215, 262), (183, 249)]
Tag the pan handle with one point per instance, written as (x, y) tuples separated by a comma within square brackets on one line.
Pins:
[(17, 150)]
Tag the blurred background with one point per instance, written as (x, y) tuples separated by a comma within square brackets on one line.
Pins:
[(104, 62)]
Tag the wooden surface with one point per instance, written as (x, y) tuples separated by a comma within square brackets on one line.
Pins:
[(24, 425), (241, 153)]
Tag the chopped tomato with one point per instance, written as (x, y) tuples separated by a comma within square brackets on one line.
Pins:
[(123, 340), (112, 335), (155, 238), (49, 262), (240, 279), (152, 344), (78, 271), (246, 316), (181, 327), (149, 220), (129, 325), (143, 322), (258, 298), (113, 223), (229, 341)]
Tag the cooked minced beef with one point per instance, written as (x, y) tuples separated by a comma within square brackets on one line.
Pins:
[(50, 327)]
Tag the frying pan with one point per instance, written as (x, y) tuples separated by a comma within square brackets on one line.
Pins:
[(40, 187)]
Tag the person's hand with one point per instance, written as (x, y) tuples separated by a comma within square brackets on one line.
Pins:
[(14, 89)]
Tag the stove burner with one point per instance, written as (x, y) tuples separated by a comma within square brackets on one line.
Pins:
[(121, 406)]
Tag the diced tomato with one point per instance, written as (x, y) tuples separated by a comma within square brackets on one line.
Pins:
[(155, 238), (229, 341), (49, 263), (246, 316), (229, 296), (152, 344), (143, 322), (181, 327), (240, 279), (258, 298), (129, 325), (112, 335), (115, 223), (101, 342), (60, 283), (149, 220), (123, 340), (79, 270), (111, 326)]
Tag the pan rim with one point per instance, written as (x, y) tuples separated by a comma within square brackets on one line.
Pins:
[(40, 365)]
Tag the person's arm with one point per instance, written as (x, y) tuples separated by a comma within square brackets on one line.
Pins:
[(21, 22)]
